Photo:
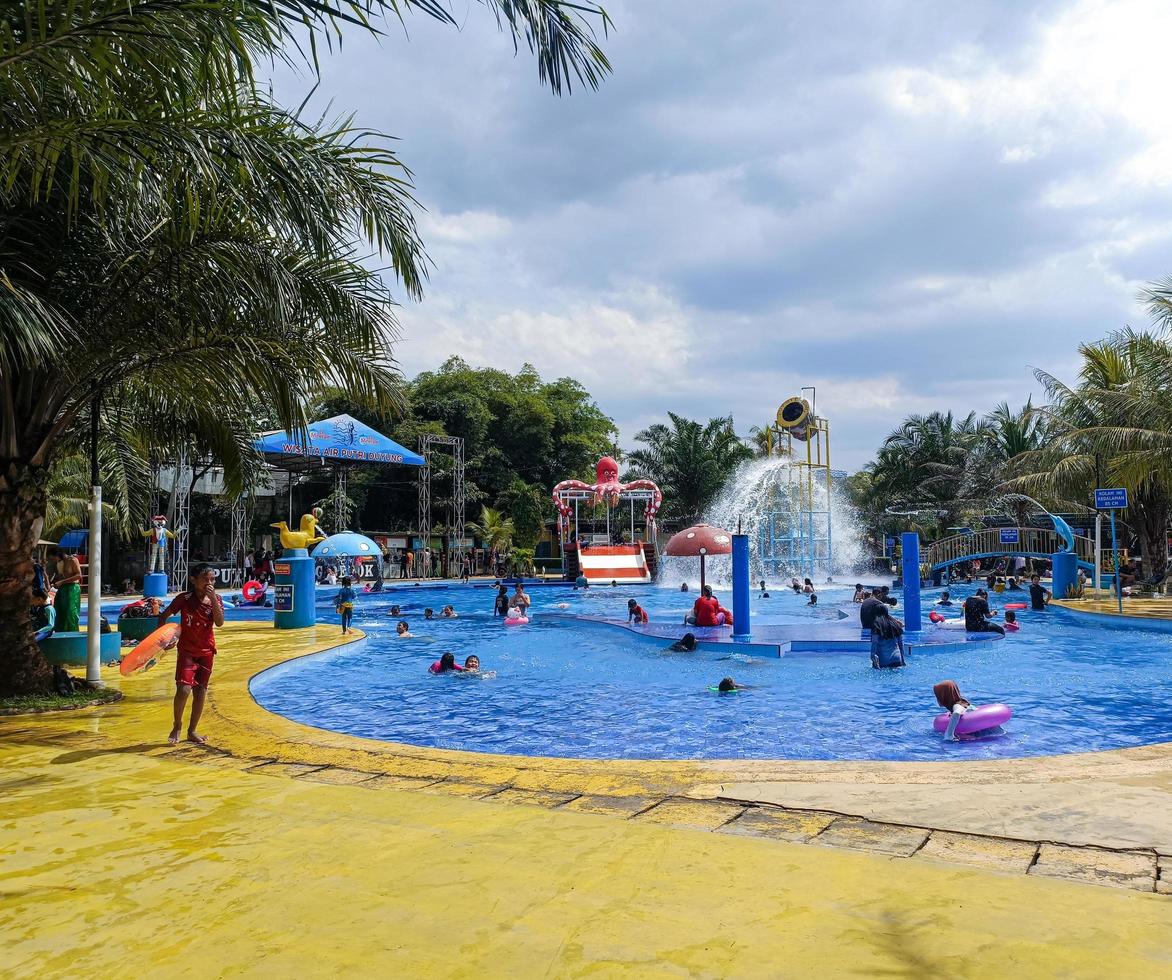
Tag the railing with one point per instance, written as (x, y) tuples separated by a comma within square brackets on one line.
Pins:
[(1036, 541)]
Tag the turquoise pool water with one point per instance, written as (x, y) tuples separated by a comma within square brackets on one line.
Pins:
[(568, 687)]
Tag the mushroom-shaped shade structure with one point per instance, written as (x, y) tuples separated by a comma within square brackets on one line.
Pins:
[(347, 544), (700, 540)]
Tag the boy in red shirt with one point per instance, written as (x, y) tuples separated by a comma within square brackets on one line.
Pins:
[(200, 611)]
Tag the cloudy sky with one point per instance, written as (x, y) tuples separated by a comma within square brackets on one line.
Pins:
[(906, 203)]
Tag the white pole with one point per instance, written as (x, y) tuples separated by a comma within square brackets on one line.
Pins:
[(93, 640), (1098, 552)]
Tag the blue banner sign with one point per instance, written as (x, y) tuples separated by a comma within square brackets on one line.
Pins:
[(283, 598), (1111, 499), (889, 546), (1009, 535)]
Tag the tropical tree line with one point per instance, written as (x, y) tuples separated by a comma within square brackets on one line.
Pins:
[(177, 249), (1111, 425)]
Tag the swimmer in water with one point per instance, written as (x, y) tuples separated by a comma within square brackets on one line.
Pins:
[(1011, 623), (813, 599), (429, 613), (449, 613), (635, 612), (396, 611), (446, 663), (404, 631), (683, 586), (795, 585), (860, 592), (944, 600), (685, 644), (728, 686), (948, 697), (764, 593), (472, 662)]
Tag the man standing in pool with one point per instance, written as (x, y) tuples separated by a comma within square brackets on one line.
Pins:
[(200, 611), (1039, 596)]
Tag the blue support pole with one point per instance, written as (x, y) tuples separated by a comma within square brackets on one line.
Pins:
[(1115, 552), (913, 616), (1063, 573), (741, 587), (295, 590)]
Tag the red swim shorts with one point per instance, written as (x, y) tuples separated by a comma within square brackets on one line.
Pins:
[(194, 669)]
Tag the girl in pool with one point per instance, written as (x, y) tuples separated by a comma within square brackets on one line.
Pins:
[(813, 599), (949, 698), (446, 663), (472, 662), (636, 612), (1011, 623), (521, 599), (808, 587), (501, 605), (685, 644), (449, 613), (728, 686), (404, 631), (860, 592), (886, 640), (429, 613), (795, 585)]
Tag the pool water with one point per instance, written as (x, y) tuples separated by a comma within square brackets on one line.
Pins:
[(568, 687)]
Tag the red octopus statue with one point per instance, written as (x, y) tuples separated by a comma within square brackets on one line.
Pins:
[(607, 490)]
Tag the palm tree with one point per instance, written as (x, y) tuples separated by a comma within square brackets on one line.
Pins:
[(171, 238), (494, 529), (690, 461), (1113, 425), (929, 465)]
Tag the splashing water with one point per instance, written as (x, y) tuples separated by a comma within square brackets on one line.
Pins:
[(765, 487)]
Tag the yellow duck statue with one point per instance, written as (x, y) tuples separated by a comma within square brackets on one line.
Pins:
[(309, 534)]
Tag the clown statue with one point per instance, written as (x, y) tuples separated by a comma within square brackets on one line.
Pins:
[(158, 536)]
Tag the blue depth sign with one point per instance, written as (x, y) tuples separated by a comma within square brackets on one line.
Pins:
[(1009, 535), (1111, 499)]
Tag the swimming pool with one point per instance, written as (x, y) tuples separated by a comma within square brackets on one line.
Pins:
[(568, 687)]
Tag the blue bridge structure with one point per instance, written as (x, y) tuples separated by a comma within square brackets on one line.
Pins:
[(1001, 542)]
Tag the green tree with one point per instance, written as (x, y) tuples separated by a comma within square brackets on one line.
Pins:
[(690, 461), (1113, 424), (171, 238), (527, 506), (495, 530)]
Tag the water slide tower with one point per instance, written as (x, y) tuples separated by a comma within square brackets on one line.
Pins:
[(795, 538)]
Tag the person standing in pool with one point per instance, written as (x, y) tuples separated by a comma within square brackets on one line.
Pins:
[(685, 644), (344, 603), (521, 600), (887, 641), (944, 600), (977, 614), (501, 603), (1039, 596), (200, 613)]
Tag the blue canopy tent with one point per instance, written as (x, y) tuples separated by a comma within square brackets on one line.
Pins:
[(337, 442)]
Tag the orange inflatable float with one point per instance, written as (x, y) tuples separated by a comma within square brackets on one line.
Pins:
[(146, 654)]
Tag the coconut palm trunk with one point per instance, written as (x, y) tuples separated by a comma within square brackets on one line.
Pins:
[(22, 507)]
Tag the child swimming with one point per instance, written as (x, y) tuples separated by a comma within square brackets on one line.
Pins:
[(446, 663), (635, 612), (685, 644), (729, 686), (1011, 623), (813, 599), (448, 612), (944, 600), (429, 613)]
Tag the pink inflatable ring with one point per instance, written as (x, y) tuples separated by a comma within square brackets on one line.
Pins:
[(517, 621), (975, 720)]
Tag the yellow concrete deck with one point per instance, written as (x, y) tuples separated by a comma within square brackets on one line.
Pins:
[(1158, 607), (119, 854)]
